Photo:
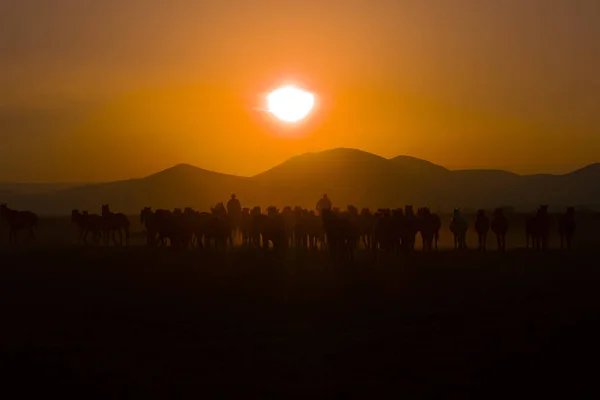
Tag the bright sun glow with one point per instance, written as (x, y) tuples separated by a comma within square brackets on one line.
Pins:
[(290, 104)]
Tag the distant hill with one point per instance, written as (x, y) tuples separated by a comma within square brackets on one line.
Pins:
[(348, 176), (34, 188), (416, 165)]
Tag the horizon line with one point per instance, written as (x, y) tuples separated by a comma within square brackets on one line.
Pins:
[(66, 182)]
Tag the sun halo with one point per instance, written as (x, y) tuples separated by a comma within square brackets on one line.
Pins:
[(290, 104)]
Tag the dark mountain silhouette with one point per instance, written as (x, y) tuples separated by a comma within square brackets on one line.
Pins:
[(179, 186), (35, 188), (417, 165), (348, 176)]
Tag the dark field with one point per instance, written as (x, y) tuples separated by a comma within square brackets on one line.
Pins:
[(114, 322)]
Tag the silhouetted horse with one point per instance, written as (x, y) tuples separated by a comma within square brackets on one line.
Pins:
[(428, 227), (218, 227), (200, 222), (245, 226), (365, 227), (113, 223), (341, 235), (87, 223), (500, 228), (458, 227), (18, 220), (537, 228), (482, 227), (162, 223), (300, 228), (409, 228), (566, 228), (234, 214), (316, 233), (288, 218), (274, 230), (255, 226), (387, 231), (148, 218)]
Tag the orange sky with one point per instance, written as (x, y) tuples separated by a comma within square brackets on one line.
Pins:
[(95, 91)]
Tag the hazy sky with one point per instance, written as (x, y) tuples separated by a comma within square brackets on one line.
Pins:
[(95, 90)]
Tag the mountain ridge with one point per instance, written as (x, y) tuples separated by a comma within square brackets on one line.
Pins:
[(349, 176)]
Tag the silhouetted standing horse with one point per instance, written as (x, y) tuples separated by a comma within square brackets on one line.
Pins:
[(18, 220), (234, 214), (482, 227), (409, 228), (115, 222), (566, 228), (87, 223), (148, 218), (428, 226), (537, 228), (342, 237), (458, 227), (500, 228), (218, 228)]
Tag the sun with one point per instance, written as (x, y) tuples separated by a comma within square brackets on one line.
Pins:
[(290, 104)]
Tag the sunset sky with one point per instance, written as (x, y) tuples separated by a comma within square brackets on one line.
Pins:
[(104, 90)]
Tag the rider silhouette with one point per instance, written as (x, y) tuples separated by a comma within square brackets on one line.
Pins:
[(234, 210), (233, 205), (323, 203)]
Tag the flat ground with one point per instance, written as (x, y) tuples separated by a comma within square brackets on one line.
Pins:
[(118, 321)]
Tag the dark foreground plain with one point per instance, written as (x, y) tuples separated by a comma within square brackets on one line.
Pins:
[(119, 322)]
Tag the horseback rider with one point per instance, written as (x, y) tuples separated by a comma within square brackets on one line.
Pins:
[(234, 209), (323, 203), (233, 204)]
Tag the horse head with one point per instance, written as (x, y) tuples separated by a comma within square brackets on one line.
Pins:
[(398, 212), (352, 210), (423, 212), (145, 211), (219, 209)]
